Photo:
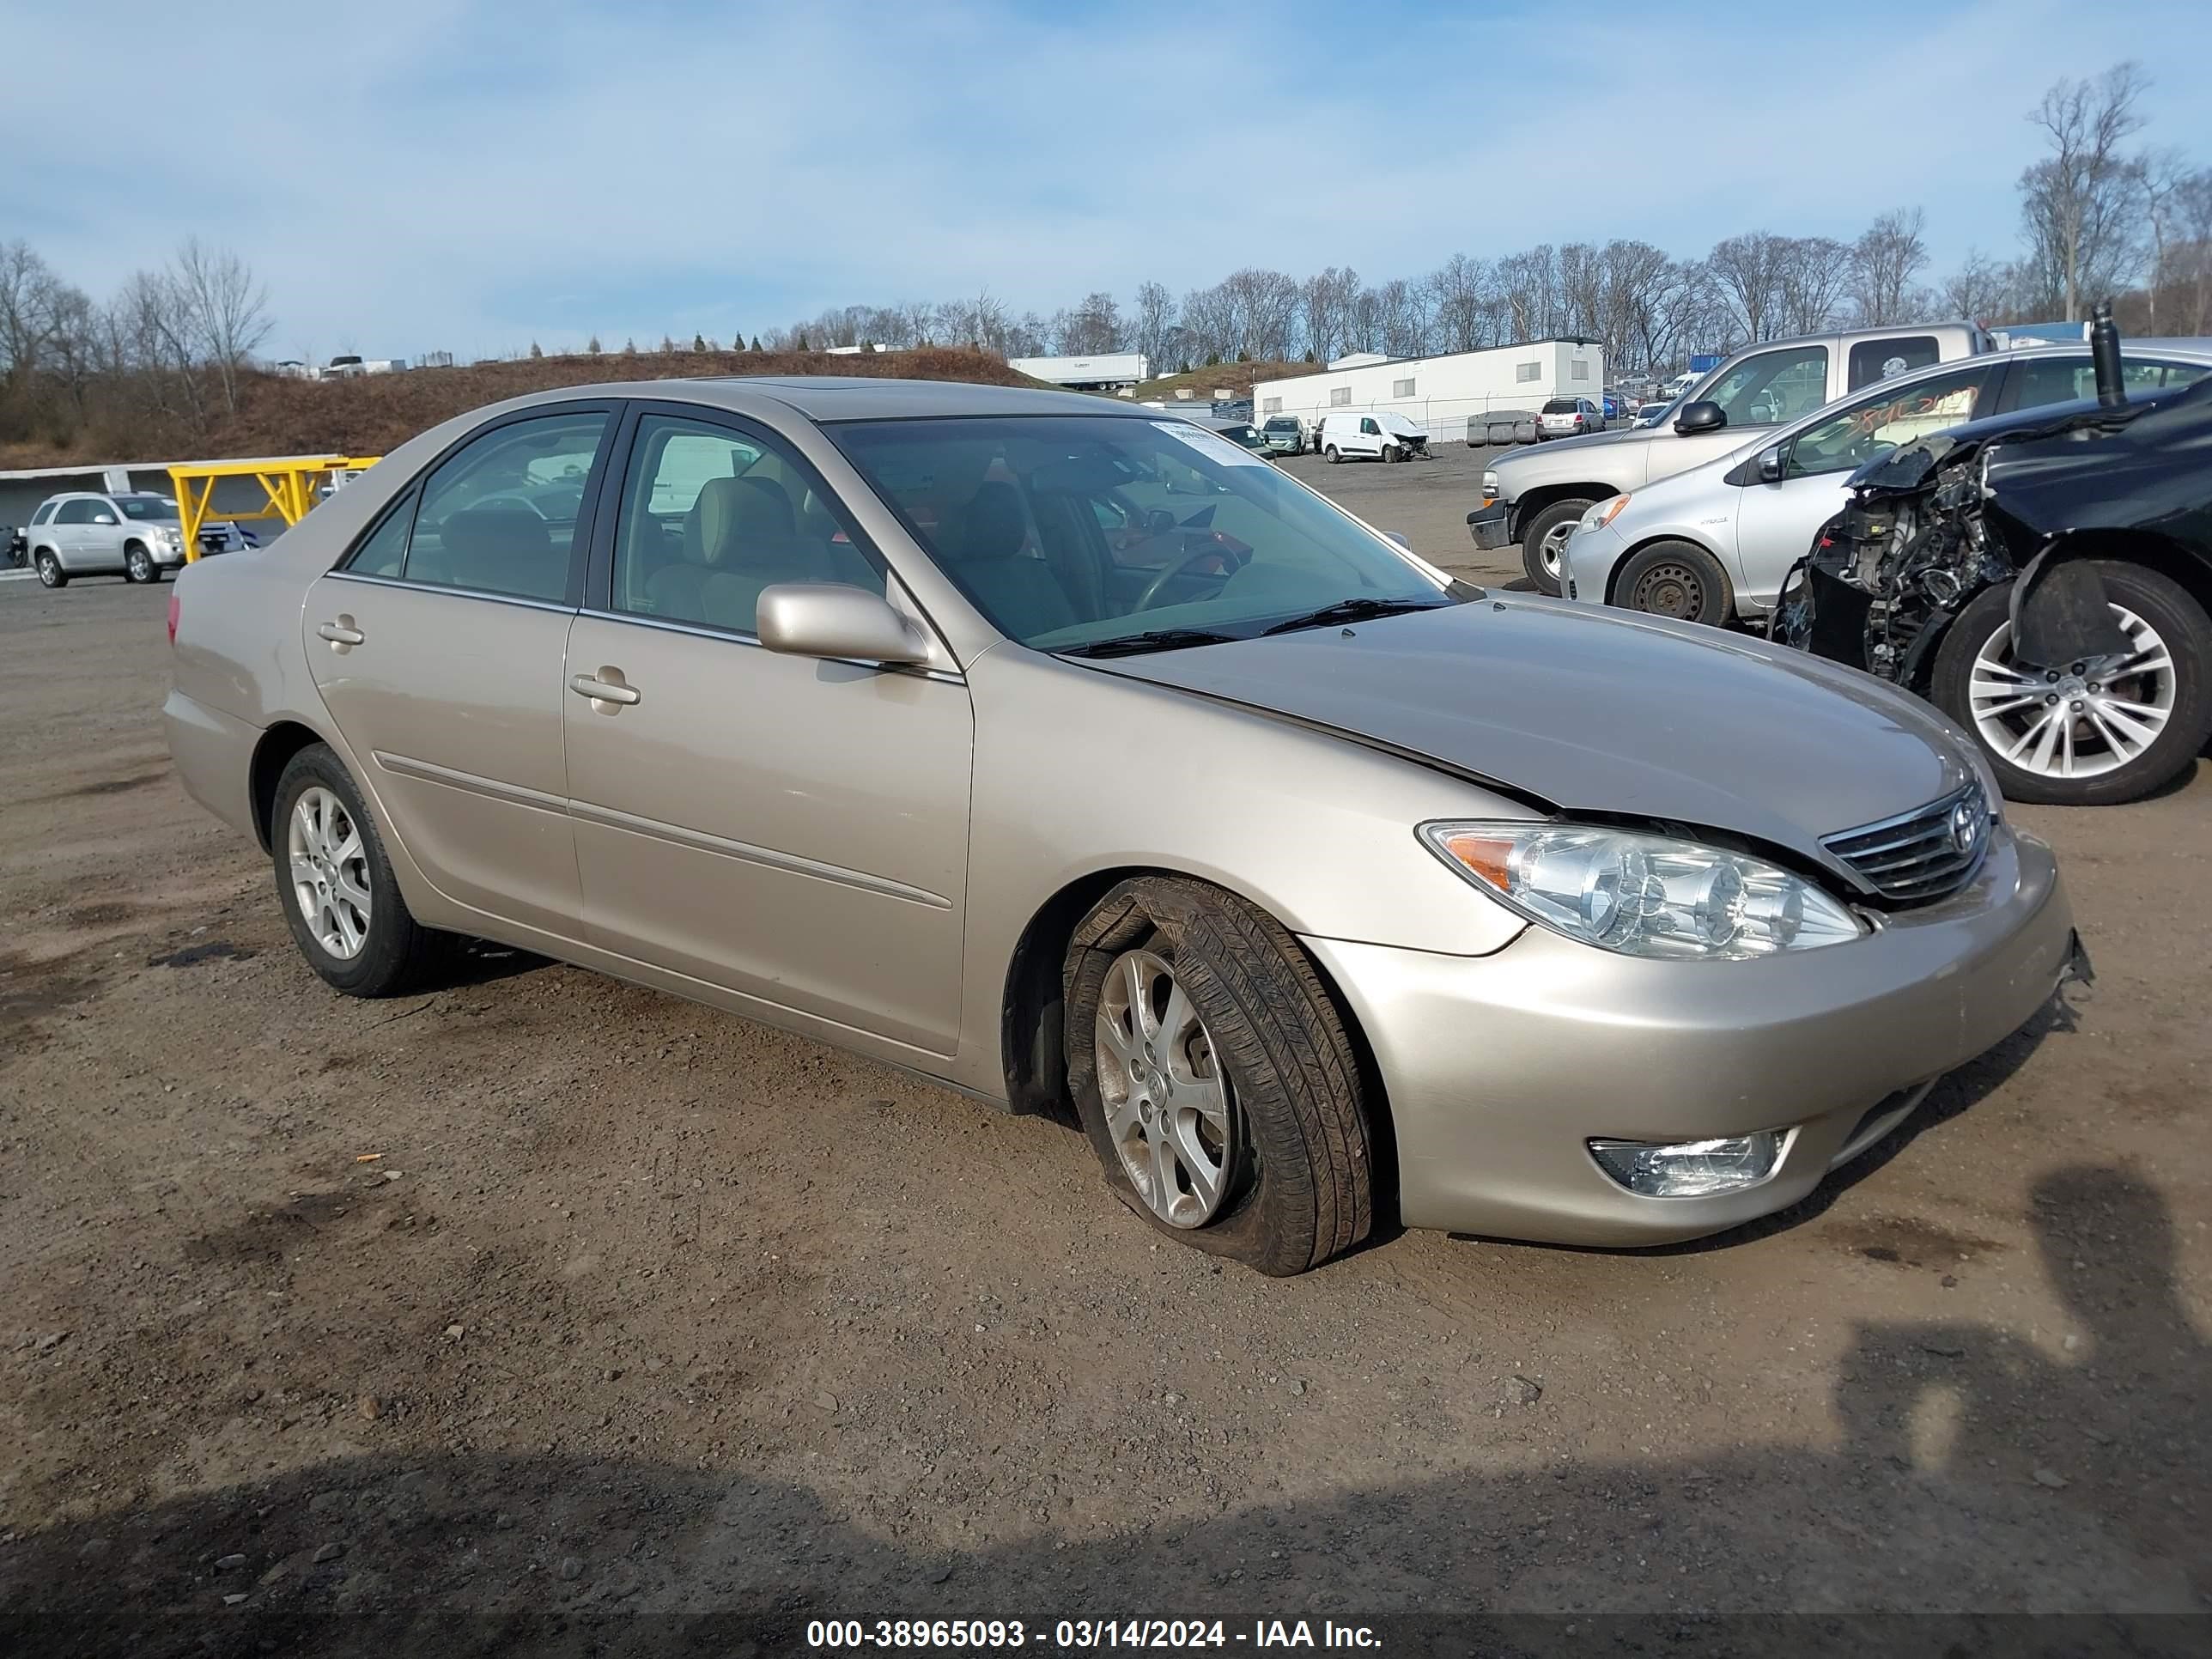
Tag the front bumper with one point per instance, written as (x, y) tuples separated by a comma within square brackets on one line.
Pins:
[(1499, 1069), (1591, 555), (167, 557), (1492, 525)]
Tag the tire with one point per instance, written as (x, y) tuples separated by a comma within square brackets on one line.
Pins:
[(1390, 454), (50, 574), (138, 564), (1677, 580), (1556, 521), (396, 954), (1333, 458), (1295, 1181), (2147, 603)]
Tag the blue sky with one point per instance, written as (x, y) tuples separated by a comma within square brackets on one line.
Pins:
[(472, 177)]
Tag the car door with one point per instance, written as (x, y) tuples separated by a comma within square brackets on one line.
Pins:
[(100, 535), (789, 829), (72, 535), (437, 647), (1776, 521)]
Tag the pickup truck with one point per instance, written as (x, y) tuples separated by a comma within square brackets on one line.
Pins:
[(1536, 498)]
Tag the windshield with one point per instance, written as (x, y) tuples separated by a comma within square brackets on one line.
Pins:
[(1069, 530), (147, 507), (1283, 423)]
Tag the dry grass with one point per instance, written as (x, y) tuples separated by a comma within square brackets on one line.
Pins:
[(376, 413), (1236, 378)]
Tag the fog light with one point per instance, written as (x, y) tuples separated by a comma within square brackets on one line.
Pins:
[(1689, 1169)]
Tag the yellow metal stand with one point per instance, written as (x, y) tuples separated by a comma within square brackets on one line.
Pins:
[(292, 487)]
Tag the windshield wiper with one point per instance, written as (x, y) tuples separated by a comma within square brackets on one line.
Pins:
[(1160, 639), (1347, 610)]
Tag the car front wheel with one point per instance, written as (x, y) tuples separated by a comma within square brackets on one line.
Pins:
[(51, 572), (1333, 458), (2090, 733), (138, 564), (335, 883), (1546, 538), (1679, 580), (1214, 1077)]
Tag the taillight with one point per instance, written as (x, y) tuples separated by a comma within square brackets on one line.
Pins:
[(173, 598)]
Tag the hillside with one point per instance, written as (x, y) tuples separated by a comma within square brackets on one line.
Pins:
[(377, 413)]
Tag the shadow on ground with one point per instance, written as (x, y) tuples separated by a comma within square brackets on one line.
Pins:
[(1977, 1476)]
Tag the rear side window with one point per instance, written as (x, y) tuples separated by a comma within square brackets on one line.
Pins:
[(2068, 380), (1883, 360), (499, 516), (386, 550), (46, 512)]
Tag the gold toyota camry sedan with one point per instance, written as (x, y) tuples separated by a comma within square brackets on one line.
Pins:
[(1073, 756)]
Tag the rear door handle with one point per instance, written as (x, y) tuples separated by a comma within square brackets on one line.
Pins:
[(599, 690), (337, 633)]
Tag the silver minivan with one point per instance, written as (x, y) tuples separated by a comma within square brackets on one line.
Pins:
[(1536, 498)]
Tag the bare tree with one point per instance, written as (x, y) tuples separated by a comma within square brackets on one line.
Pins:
[(1635, 277), (1529, 286), (1456, 289), (1883, 263), (225, 310), (2193, 213), (1747, 272), (1326, 300), (1978, 290), (1093, 326), (1155, 317), (2078, 202)]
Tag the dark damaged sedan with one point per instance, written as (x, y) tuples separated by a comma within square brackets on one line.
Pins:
[(2044, 577)]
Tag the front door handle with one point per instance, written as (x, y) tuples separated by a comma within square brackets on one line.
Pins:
[(341, 632), (604, 691)]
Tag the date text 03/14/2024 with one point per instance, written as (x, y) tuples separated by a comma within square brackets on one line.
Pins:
[(1085, 1633)]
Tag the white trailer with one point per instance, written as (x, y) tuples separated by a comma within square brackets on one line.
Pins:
[(1107, 371), (1439, 394)]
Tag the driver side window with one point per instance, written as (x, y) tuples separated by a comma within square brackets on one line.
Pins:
[(1774, 386), (1878, 421)]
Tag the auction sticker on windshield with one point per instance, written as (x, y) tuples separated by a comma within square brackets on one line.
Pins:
[(1216, 449)]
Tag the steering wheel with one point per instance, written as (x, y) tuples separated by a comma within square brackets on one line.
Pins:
[(1183, 567)]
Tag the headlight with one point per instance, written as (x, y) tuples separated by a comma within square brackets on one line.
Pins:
[(1603, 512), (1643, 896)]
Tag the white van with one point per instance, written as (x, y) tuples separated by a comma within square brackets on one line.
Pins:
[(1379, 435)]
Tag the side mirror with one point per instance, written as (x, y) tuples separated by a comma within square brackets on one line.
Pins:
[(1398, 537), (1700, 417), (1770, 463), (103, 518), (824, 619)]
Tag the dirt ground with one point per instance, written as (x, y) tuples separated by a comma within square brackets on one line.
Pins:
[(541, 1314)]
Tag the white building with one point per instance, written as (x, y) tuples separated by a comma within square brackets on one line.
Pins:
[(1439, 394), (1107, 371)]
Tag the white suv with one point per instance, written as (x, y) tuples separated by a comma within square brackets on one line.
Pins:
[(136, 534)]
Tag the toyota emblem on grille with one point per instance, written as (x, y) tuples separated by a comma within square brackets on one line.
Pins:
[(1965, 827)]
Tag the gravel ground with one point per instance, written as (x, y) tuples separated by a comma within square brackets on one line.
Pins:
[(545, 1313)]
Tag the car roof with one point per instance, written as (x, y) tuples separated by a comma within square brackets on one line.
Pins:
[(825, 398)]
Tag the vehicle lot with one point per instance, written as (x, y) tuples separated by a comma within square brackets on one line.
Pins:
[(643, 1311), (1427, 501)]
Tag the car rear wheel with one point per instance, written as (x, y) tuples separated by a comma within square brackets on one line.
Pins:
[(1546, 538), (2092, 733), (336, 887), (51, 572), (1678, 579), (138, 564), (1214, 1077)]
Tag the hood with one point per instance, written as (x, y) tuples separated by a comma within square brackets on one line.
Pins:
[(1609, 713)]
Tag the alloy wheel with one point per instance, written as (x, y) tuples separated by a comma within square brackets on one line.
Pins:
[(1168, 1105), (2079, 721), (1551, 550), (142, 565), (50, 570), (329, 872)]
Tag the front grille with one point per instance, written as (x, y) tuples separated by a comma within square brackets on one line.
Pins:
[(1926, 853)]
